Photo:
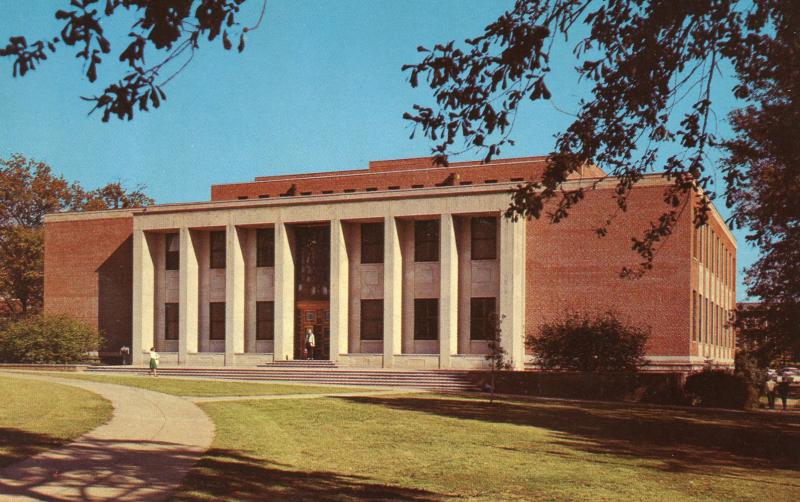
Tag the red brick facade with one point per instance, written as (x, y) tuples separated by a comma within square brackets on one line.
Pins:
[(88, 269)]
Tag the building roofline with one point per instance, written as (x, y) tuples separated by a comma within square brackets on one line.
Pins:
[(178, 207)]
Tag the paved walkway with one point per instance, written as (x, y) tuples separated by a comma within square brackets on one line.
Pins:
[(142, 453)]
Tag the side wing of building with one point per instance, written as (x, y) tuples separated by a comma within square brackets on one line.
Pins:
[(88, 267)]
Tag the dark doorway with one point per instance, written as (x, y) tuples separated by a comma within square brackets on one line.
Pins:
[(313, 314)]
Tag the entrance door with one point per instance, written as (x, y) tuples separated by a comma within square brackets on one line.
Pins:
[(314, 315)]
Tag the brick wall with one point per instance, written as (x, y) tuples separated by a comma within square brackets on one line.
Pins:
[(570, 268), (88, 269), (390, 175)]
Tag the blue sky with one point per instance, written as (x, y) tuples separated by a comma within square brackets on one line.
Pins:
[(318, 87)]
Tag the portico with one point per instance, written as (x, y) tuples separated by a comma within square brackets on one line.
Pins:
[(408, 282)]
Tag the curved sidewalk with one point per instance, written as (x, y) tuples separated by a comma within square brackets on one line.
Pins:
[(142, 453)]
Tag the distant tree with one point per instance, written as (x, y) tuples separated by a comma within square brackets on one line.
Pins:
[(592, 343), (47, 340), (653, 66), (166, 31), (28, 191)]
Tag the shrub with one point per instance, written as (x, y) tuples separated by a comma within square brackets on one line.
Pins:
[(593, 343), (46, 339), (720, 389)]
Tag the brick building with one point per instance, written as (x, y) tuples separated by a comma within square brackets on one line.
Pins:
[(400, 265)]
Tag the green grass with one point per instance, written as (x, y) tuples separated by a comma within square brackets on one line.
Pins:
[(206, 388), (424, 447), (37, 416)]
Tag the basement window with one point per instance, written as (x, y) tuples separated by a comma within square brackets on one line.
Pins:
[(394, 187), (349, 190), (466, 182), (372, 189), (264, 196), (242, 197), (490, 181), (305, 193), (417, 186), (327, 192), (517, 179)]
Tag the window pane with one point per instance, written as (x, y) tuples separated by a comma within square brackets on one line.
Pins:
[(371, 319), (482, 316), (265, 247), (172, 250), (217, 320), (170, 321), (372, 243), (426, 240), (265, 321), (484, 238), (217, 250), (426, 319)]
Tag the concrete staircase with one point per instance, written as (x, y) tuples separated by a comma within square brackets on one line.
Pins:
[(441, 380)]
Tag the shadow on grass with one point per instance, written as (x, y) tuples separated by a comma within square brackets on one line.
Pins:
[(95, 469), (16, 445), (684, 440), (235, 476)]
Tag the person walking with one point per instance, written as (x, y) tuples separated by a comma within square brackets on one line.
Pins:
[(310, 343), (153, 362), (783, 390), (770, 385), (125, 354)]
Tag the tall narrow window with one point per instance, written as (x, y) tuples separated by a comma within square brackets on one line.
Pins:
[(694, 316), (216, 313), (172, 252), (426, 319), (484, 238), (696, 242), (265, 247), (372, 319), (700, 318), (372, 243), (481, 318), (426, 240), (217, 249), (705, 324), (170, 321), (265, 320)]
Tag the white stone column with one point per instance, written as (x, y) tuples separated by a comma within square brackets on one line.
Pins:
[(339, 291), (392, 292), (143, 302), (249, 245), (448, 291), (284, 293), (234, 295), (512, 289), (188, 296)]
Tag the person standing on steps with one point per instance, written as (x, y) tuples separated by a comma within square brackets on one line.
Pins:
[(310, 343), (153, 362)]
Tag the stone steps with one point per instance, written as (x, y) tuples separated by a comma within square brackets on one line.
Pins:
[(425, 379)]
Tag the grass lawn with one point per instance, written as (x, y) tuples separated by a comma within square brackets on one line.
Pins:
[(427, 447), (206, 388), (37, 416)]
